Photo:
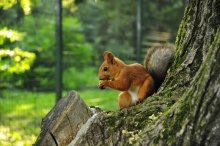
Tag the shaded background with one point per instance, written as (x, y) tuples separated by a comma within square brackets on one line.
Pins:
[(28, 46)]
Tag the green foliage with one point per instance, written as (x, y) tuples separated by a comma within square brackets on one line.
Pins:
[(164, 16), (6, 4), (77, 52), (39, 37), (25, 5), (11, 35), (111, 25), (89, 28), (15, 61), (82, 78), (42, 42), (108, 27), (69, 5)]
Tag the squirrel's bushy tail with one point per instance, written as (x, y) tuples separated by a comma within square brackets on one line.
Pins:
[(158, 60)]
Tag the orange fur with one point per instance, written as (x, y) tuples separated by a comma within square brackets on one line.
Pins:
[(133, 80), (124, 100)]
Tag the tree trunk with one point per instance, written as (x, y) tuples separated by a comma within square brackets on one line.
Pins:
[(186, 108)]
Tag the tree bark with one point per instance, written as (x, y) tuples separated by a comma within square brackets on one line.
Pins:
[(63, 122), (186, 108)]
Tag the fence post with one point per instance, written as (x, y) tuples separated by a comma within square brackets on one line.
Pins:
[(59, 50), (139, 29)]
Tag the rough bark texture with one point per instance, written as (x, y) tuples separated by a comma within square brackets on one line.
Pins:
[(186, 109)]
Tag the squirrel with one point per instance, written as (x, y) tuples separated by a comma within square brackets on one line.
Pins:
[(136, 81)]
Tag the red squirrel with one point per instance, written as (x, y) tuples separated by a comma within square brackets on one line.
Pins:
[(136, 81)]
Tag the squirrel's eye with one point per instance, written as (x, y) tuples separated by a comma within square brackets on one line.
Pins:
[(105, 68)]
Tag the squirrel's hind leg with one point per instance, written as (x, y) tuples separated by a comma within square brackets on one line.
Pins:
[(124, 100), (146, 89)]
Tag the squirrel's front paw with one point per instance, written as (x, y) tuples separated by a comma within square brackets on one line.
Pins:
[(101, 85)]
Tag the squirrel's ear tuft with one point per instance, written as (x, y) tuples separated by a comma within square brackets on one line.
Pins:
[(109, 57)]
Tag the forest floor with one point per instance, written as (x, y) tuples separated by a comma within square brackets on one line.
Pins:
[(21, 112)]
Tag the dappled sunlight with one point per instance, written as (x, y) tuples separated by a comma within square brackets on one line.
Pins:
[(95, 100), (26, 6), (70, 5), (23, 107), (15, 138), (6, 4), (21, 114), (19, 110), (16, 61), (12, 35)]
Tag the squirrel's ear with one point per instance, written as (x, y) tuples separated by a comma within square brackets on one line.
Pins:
[(108, 56)]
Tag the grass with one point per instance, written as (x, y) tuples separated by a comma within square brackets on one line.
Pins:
[(21, 112), (105, 99)]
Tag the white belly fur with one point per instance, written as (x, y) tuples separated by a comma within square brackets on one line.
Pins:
[(133, 93)]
